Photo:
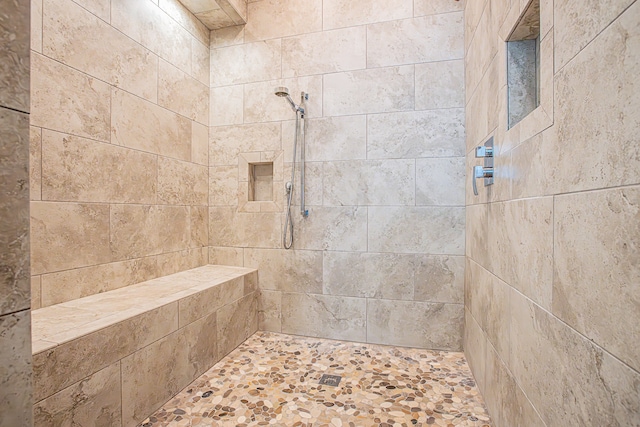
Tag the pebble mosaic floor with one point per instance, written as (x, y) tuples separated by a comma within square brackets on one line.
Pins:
[(273, 379)]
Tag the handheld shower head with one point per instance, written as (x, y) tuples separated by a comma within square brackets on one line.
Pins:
[(283, 91)]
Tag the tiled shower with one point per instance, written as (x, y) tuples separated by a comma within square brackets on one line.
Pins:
[(130, 132)]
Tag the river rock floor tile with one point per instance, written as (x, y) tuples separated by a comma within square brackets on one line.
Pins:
[(273, 379)]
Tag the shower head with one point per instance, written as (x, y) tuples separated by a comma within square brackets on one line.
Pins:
[(283, 91)]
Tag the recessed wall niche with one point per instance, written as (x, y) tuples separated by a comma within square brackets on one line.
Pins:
[(260, 181), (523, 65)]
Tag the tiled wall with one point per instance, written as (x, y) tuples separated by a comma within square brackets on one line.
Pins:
[(119, 166), (553, 268), (15, 301), (381, 256)]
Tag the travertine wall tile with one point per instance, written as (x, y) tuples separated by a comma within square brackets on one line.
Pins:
[(77, 38), (145, 126), (35, 163), (77, 283), (324, 316), (174, 262), (227, 36), (334, 138), (439, 278), (230, 228), (200, 61), (270, 19), (179, 92), (333, 228), (289, 271), (199, 143), (184, 17), (96, 400), (226, 256), (443, 231), (227, 142), (36, 25), (100, 8), (236, 322), (199, 226), (68, 235), (346, 13), (182, 183), (14, 55), (152, 27), (440, 85), (432, 7), (369, 91), (51, 83), (15, 380), (440, 181), (226, 106), (437, 133), (269, 311), (245, 63), (141, 230), (424, 39), (223, 186), (324, 52), (597, 272), (79, 169), (436, 326)]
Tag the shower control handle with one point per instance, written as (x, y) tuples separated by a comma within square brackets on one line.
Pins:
[(480, 172)]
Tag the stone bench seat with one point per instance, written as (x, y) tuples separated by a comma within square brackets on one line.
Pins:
[(114, 358)]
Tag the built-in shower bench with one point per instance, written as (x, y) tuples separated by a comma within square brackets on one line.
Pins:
[(113, 358)]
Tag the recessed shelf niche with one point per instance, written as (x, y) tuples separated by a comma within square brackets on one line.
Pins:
[(261, 182), (523, 65)]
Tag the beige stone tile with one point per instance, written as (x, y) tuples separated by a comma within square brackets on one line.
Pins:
[(182, 183), (269, 311), (141, 230), (440, 85), (36, 292), (228, 36), (330, 138), (580, 130), (68, 235), (529, 170), (227, 142), (226, 256), (472, 13), (347, 13), (477, 234), (332, 228), (150, 26), (139, 124), (236, 8), (324, 52), (312, 184), (209, 300), (576, 29), (432, 7), (288, 271), (236, 322), (437, 326), (216, 19), (68, 363), (261, 104), (368, 275), (51, 84), (14, 211), (223, 186), (226, 106), (507, 403), (437, 133), (79, 169), (325, 316), (230, 228), (521, 246), (16, 379), (597, 272), (73, 284), (100, 8), (408, 41), (271, 19), (439, 278), (200, 61), (440, 181), (76, 37), (387, 230), (173, 262), (154, 374), (480, 51), (179, 92), (369, 182), (246, 63), (369, 91), (475, 346), (199, 143), (603, 390), (50, 321), (96, 400), (199, 226), (14, 55), (36, 26), (185, 17), (35, 163)]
